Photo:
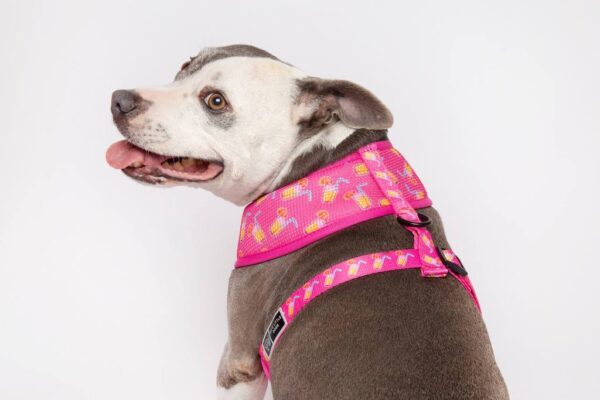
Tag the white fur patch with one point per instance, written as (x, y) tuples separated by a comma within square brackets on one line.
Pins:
[(254, 390)]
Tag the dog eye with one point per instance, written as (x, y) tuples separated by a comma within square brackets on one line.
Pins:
[(215, 101)]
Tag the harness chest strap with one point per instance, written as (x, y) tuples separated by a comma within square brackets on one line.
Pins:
[(336, 275)]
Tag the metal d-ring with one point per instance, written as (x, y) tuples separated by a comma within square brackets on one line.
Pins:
[(423, 221)]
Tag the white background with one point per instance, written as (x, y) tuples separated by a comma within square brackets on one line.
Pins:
[(113, 290)]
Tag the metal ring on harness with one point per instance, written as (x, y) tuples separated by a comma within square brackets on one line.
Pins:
[(423, 221)]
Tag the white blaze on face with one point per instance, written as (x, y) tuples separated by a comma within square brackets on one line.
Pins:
[(253, 140)]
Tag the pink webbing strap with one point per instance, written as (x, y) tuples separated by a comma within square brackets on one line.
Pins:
[(338, 274), (378, 165)]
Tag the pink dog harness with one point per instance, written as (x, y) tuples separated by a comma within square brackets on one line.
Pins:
[(372, 182)]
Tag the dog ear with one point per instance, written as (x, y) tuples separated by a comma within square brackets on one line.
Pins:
[(328, 101)]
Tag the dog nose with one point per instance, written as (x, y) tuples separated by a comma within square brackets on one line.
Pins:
[(123, 101)]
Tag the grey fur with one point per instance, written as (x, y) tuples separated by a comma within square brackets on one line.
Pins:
[(211, 54), (388, 336), (223, 121), (341, 100), (320, 156)]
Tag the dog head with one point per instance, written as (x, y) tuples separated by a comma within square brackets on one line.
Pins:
[(234, 121)]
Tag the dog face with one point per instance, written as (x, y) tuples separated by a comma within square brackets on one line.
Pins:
[(233, 122)]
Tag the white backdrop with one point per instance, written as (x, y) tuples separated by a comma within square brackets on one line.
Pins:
[(113, 290)]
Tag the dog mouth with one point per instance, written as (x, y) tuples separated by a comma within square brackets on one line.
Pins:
[(156, 168)]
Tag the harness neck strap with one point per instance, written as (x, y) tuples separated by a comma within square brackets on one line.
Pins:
[(374, 181)]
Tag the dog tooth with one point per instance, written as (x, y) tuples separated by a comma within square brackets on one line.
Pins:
[(178, 166), (188, 162), (137, 164)]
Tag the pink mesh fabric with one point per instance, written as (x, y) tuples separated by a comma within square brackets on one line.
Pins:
[(372, 182)]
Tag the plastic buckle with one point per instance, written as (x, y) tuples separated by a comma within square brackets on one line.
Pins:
[(458, 269)]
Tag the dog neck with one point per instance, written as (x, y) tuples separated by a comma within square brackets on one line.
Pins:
[(321, 155)]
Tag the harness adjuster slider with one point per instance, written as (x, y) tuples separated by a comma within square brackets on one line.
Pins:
[(458, 269), (423, 221)]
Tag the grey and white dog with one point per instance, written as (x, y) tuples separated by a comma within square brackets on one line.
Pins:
[(239, 122)]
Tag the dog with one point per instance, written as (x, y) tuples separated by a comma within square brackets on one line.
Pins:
[(240, 123)]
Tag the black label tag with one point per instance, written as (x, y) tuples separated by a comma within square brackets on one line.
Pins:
[(274, 330)]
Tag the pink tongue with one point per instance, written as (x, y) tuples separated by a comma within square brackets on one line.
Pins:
[(122, 154)]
